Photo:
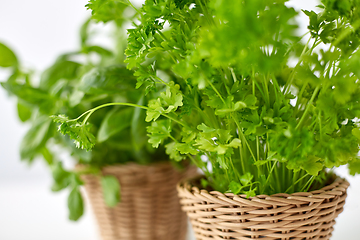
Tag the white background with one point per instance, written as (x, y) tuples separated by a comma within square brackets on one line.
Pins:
[(38, 31)]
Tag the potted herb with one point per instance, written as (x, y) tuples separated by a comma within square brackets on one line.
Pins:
[(264, 115), (122, 166)]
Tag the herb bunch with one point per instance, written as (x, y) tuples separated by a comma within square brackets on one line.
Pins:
[(235, 102), (242, 95), (76, 82)]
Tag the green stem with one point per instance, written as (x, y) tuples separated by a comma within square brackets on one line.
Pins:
[(308, 184), (266, 90), (346, 32), (243, 137), (233, 74), (308, 106), (206, 13), (270, 172), (297, 106), (137, 10), (292, 76), (300, 179), (215, 90), (91, 111), (160, 80), (173, 57)]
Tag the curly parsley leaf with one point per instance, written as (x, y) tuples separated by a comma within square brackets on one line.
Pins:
[(79, 132), (158, 132), (108, 10), (252, 112)]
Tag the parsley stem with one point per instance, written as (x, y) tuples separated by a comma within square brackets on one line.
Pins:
[(233, 75), (270, 172), (206, 13), (242, 159), (169, 51), (215, 90), (346, 32), (160, 80), (297, 105), (267, 99), (236, 121), (320, 126), (257, 148), (307, 184), (91, 111), (292, 76), (308, 106), (243, 138), (137, 10), (296, 182)]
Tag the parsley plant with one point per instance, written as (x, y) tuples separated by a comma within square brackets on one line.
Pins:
[(232, 95)]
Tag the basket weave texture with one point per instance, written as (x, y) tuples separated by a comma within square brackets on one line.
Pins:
[(302, 215), (149, 207)]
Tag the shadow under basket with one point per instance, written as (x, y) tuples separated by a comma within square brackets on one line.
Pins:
[(302, 215), (149, 207)]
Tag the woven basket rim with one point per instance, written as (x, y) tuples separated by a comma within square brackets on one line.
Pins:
[(126, 165), (131, 168), (137, 165), (338, 185)]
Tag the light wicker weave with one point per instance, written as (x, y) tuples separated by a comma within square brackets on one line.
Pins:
[(303, 215), (149, 208)]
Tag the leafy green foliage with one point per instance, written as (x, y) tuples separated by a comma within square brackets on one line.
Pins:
[(62, 178), (79, 132), (7, 57), (354, 167), (60, 70), (168, 102), (24, 112), (111, 79), (111, 190), (261, 125), (75, 204), (35, 139), (114, 122), (108, 10), (75, 82), (158, 132), (30, 95)]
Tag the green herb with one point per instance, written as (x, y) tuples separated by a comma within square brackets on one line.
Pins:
[(8, 58), (75, 204), (264, 126), (77, 81), (111, 190)]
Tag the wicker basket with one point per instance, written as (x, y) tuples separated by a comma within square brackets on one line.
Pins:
[(303, 215), (149, 208)]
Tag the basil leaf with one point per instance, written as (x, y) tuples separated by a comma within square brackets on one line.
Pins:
[(111, 190), (35, 138), (60, 176), (108, 80), (75, 204), (114, 122), (7, 57), (62, 69), (24, 112)]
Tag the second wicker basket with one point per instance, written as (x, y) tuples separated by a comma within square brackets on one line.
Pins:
[(149, 207)]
